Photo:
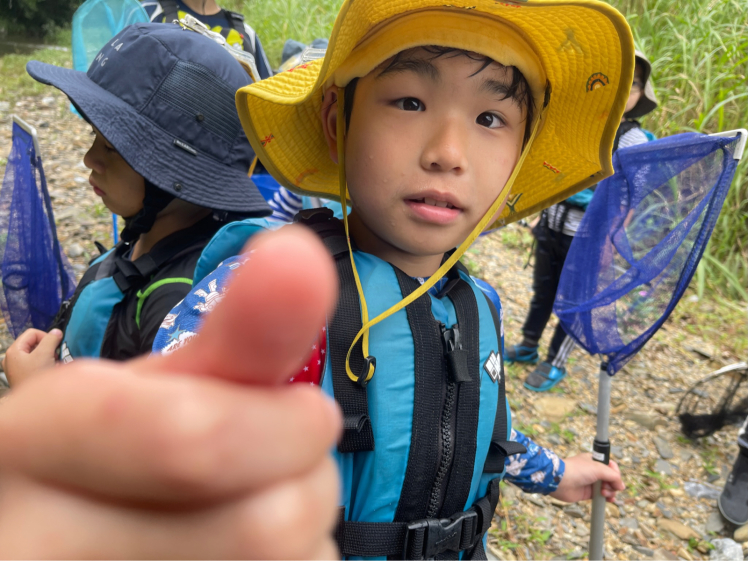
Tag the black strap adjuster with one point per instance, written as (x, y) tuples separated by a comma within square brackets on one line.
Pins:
[(363, 378), (425, 539)]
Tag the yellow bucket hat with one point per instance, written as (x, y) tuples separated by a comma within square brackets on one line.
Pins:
[(577, 56), (582, 48)]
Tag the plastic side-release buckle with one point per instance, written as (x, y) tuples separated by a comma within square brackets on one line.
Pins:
[(425, 539)]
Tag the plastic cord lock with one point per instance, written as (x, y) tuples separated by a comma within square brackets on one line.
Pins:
[(370, 364)]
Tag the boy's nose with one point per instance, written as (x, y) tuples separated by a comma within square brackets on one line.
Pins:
[(92, 160), (445, 149)]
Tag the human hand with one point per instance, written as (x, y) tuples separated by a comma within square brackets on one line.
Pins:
[(205, 453), (30, 353), (580, 475)]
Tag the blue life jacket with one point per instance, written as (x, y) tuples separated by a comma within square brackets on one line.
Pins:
[(425, 441), (103, 317)]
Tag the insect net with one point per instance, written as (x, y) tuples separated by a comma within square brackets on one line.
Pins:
[(36, 276), (640, 241)]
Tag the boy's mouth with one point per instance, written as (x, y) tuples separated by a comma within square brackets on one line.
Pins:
[(434, 210)]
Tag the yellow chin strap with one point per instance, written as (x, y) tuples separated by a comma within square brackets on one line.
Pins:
[(445, 267)]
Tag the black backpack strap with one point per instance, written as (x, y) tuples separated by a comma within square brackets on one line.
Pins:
[(427, 538), (623, 128), (170, 10), (358, 435), (501, 447), (236, 21)]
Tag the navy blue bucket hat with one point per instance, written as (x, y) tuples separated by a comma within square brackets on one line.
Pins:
[(164, 98)]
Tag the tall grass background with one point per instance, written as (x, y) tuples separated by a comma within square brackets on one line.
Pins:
[(699, 54)]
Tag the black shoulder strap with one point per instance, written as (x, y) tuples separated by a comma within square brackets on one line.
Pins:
[(501, 447), (623, 128), (358, 435), (170, 10), (236, 20)]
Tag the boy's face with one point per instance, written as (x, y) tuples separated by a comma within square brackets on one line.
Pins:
[(120, 187), (636, 88), (430, 145)]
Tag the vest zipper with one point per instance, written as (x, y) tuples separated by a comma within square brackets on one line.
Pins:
[(447, 441)]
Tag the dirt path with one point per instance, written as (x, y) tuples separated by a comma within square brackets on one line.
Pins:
[(655, 518)]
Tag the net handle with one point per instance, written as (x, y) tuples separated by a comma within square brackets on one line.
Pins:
[(740, 148), (30, 130)]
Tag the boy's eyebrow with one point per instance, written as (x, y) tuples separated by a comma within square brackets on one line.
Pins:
[(499, 88), (419, 66)]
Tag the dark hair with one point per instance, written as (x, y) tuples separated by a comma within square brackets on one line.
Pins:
[(518, 89)]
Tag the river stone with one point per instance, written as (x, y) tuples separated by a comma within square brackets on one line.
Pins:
[(663, 448), (661, 466), (648, 420), (612, 510), (75, 250), (726, 550), (715, 523), (554, 408), (644, 550), (679, 529), (575, 511), (663, 553), (588, 408), (630, 523), (741, 534)]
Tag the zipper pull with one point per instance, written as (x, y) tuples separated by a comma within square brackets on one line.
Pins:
[(457, 357)]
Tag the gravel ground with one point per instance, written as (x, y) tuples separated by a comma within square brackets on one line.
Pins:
[(656, 517)]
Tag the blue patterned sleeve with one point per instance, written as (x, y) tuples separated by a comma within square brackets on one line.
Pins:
[(185, 320), (538, 470)]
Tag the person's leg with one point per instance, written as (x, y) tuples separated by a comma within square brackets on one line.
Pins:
[(552, 371), (733, 502), (541, 304)]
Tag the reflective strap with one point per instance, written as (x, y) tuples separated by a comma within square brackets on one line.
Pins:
[(143, 294)]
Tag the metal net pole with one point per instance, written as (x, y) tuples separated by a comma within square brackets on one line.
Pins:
[(600, 453)]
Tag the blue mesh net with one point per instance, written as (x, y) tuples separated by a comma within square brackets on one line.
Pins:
[(640, 241), (96, 21), (36, 275)]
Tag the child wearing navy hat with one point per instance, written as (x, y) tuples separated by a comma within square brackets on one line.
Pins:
[(170, 156)]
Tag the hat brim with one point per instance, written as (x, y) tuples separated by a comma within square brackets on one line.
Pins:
[(584, 46), (151, 151)]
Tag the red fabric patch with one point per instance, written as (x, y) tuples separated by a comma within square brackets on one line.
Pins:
[(312, 372)]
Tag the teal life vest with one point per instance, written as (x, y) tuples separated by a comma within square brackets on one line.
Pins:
[(103, 317), (425, 441)]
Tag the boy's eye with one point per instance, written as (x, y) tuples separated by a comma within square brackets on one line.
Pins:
[(410, 104), (489, 120)]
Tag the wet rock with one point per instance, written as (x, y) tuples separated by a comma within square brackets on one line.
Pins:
[(678, 529), (661, 466), (726, 550), (648, 420), (575, 511), (715, 523), (741, 534), (554, 408), (663, 448), (644, 550)]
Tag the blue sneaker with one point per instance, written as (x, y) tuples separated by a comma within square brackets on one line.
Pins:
[(518, 353), (544, 377)]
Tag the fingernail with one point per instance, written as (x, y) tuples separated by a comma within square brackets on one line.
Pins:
[(56, 332)]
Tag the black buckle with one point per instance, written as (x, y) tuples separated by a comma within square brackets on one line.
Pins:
[(440, 535), (363, 378), (314, 215)]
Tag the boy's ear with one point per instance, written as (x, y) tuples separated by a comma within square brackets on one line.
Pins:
[(329, 117)]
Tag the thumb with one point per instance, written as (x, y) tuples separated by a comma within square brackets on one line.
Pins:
[(262, 330), (49, 342)]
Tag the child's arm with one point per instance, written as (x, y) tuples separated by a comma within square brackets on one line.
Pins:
[(540, 470), (32, 352)]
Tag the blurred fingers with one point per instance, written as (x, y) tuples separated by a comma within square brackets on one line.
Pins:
[(162, 438), (293, 520)]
